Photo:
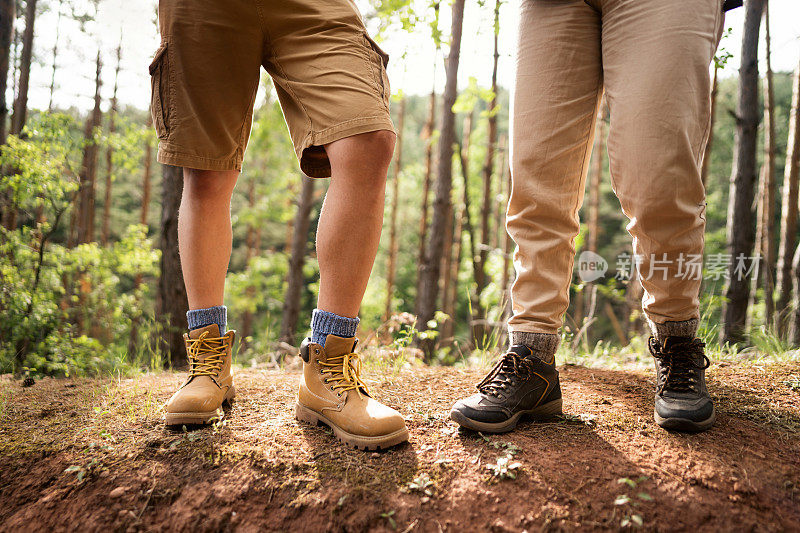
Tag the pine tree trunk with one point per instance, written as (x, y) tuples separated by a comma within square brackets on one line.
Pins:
[(593, 220), (143, 214), (88, 173), (477, 315), (706, 165), (507, 256), (7, 17), (426, 187), (253, 244), (596, 179), (479, 329), (767, 236), (391, 269), (22, 82), (741, 219), (21, 103), (788, 231), (498, 210), (294, 287), (794, 327), (146, 175), (431, 269), (112, 128), (55, 57), (171, 301)]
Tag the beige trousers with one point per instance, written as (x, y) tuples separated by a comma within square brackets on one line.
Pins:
[(652, 59)]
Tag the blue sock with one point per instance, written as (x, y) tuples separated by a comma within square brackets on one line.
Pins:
[(199, 318), (324, 323)]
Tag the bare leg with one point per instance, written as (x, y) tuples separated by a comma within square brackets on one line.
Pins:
[(351, 219), (204, 234)]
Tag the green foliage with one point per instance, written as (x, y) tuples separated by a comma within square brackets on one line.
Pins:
[(66, 310)]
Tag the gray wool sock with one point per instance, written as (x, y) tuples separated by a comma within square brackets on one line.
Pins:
[(684, 328), (544, 345), (324, 323), (200, 318)]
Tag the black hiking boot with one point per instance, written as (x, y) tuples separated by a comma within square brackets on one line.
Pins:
[(682, 400), (519, 384)]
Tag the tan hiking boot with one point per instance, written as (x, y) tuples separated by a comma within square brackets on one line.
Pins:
[(210, 383), (332, 393)]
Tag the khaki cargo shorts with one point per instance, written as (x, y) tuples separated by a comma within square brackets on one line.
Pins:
[(330, 77)]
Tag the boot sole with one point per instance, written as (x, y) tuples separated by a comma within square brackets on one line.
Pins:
[(381, 442), (684, 424), (200, 418), (542, 412)]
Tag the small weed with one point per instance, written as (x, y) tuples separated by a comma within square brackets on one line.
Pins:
[(509, 447), (422, 483), (793, 382), (629, 503), (82, 471), (504, 467), (389, 516)]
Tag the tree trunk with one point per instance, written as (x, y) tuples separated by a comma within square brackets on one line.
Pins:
[(794, 327), (21, 103), (7, 17), (766, 237), (55, 57), (740, 230), (479, 329), (507, 252), (171, 301), (294, 288), (706, 165), (450, 291), (253, 244), (22, 81), (596, 179), (788, 232), (391, 269), (143, 212), (112, 128), (593, 220), (498, 213), (148, 166), (476, 315), (426, 187), (88, 173), (431, 269)]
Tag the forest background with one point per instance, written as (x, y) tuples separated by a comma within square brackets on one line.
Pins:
[(88, 258)]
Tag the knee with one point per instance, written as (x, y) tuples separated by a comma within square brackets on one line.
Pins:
[(364, 156), (209, 185), (381, 145)]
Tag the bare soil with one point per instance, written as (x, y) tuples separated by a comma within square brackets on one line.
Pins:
[(93, 455)]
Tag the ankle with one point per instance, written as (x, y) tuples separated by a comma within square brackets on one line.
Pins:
[(324, 323), (199, 318), (543, 345)]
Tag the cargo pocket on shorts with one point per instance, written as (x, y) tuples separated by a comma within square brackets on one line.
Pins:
[(380, 60), (160, 91)]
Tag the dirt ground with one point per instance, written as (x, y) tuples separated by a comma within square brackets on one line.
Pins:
[(92, 455)]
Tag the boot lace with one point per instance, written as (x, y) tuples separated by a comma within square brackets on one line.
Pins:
[(206, 355), (681, 363), (344, 373), (505, 373)]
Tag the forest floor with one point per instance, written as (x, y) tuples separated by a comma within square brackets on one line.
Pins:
[(93, 455)]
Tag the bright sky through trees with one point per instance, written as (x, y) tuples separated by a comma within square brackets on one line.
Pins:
[(410, 69)]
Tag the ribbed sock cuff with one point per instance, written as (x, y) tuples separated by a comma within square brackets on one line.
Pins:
[(324, 323), (199, 318), (544, 345), (684, 328)]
